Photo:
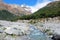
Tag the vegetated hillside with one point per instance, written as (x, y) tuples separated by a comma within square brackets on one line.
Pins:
[(51, 10), (12, 12), (6, 15)]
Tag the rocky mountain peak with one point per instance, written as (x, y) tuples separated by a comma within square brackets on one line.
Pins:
[(15, 9)]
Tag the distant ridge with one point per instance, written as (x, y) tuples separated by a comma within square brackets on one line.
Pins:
[(15, 9), (12, 12), (51, 10)]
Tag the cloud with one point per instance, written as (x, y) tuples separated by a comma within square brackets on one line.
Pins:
[(39, 5)]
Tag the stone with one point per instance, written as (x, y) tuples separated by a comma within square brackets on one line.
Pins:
[(14, 31), (1, 31), (21, 31), (17, 30), (56, 37)]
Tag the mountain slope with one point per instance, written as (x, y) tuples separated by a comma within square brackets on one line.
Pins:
[(51, 10), (15, 9), (6, 15), (12, 12)]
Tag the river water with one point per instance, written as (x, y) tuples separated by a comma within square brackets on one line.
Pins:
[(35, 34)]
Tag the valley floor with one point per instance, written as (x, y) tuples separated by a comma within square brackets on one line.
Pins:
[(29, 29)]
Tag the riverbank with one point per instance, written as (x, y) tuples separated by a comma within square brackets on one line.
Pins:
[(29, 29), (48, 25), (20, 31)]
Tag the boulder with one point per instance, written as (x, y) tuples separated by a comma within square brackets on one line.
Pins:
[(18, 30), (56, 37)]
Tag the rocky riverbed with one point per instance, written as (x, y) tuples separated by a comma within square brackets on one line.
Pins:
[(50, 26), (29, 29), (20, 31)]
